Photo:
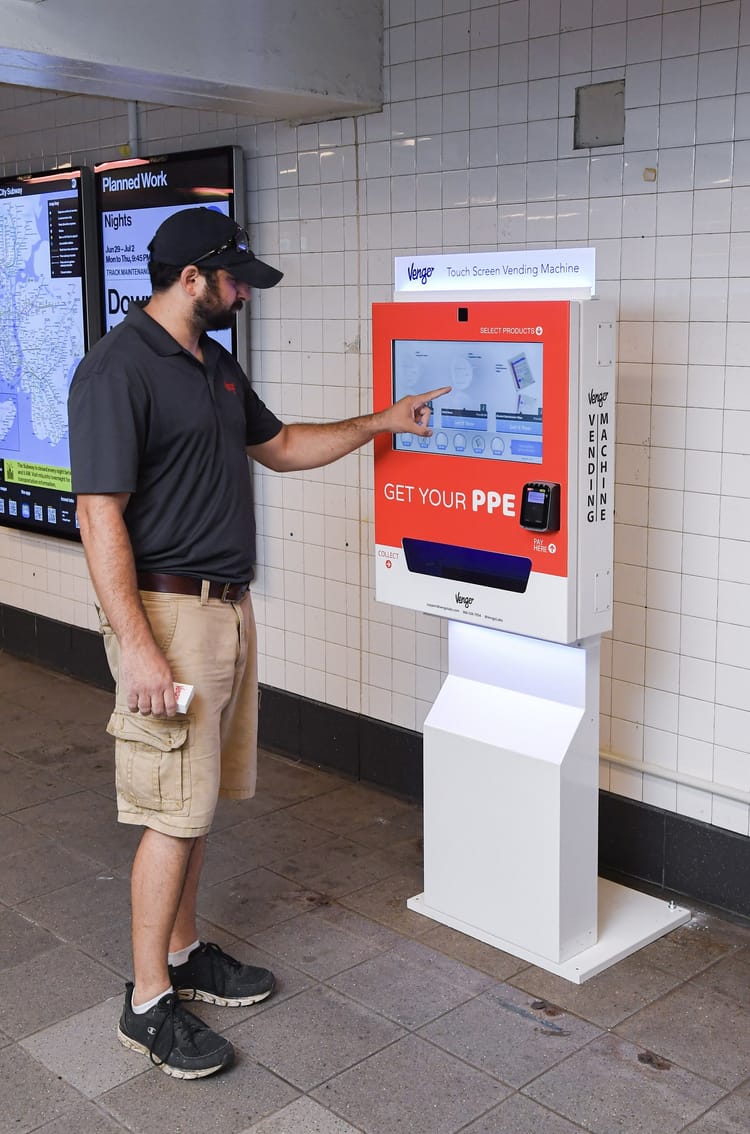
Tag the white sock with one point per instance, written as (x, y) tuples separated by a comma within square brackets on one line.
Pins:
[(182, 955), (139, 1009)]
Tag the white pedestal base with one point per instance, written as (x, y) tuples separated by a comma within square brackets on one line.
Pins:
[(627, 920)]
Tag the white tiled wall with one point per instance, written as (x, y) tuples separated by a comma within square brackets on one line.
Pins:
[(474, 149)]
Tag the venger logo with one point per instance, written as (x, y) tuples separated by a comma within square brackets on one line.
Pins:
[(420, 273), (464, 600)]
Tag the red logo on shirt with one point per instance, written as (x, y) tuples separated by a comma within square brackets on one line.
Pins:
[(231, 387)]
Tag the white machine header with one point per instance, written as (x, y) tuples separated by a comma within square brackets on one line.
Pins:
[(493, 271)]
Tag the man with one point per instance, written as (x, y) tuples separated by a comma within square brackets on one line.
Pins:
[(162, 420)]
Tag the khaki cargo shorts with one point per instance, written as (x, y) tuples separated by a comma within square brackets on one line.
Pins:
[(170, 772)]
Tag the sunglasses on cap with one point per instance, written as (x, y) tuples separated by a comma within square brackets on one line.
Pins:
[(239, 241)]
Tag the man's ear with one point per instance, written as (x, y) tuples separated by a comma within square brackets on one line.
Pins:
[(190, 278)]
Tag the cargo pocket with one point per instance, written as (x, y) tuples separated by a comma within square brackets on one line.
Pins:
[(150, 754)]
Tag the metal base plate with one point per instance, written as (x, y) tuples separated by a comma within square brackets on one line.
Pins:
[(628, 920)]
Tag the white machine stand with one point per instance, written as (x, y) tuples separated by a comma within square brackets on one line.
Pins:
[(511, 762)]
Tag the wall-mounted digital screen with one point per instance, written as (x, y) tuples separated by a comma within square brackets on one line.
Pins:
[(494, 409), (134, 197), (47, 247)]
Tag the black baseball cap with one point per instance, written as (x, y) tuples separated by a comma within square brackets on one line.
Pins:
[(209, 238)]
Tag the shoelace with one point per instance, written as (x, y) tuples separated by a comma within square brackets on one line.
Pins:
[(218, 956), (181, 1024)]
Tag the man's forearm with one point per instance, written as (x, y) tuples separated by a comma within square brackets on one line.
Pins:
[(145, 677), (109, 556), (311, 446), (303, 446)]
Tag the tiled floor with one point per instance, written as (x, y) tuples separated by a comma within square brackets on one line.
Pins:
[(384, 1022)]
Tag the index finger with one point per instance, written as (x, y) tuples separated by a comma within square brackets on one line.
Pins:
[(434, 394)]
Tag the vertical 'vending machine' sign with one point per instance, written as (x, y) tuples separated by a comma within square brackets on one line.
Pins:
[(503, 516)]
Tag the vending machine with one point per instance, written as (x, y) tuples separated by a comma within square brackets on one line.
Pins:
[(501, 521)]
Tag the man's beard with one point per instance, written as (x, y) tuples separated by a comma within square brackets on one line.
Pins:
[(208, 312)]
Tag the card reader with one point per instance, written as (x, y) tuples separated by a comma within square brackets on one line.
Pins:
[(540, 506)]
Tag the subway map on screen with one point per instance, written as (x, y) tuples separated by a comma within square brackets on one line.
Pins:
[(41, 342)]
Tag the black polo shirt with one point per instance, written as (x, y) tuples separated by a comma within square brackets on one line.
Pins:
[(147, 418)]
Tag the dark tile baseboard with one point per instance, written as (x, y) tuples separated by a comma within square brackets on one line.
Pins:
[(674, 855), (639, 845), (357, 746), (56, 645)]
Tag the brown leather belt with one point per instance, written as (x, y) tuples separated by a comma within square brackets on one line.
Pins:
[(185, 585)]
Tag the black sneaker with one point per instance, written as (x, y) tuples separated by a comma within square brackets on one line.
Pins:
[(212, 975), (173, 1038)]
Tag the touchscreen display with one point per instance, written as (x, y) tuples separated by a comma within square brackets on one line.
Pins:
[(494, 409)]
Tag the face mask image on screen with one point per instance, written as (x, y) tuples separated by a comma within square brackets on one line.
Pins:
[(462, 374), (494, 409), (408, 375)]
